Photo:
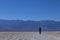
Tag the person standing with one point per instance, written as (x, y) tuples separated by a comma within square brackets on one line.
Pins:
[(39, 30)]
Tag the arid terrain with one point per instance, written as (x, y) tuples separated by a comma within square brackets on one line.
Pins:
[(29, 36)]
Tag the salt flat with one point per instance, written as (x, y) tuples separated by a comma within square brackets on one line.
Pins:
[(29, 36)]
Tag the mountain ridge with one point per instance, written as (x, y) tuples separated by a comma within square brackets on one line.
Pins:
[(29, 25)]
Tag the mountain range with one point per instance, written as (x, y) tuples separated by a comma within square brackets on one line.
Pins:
[(29, 25)]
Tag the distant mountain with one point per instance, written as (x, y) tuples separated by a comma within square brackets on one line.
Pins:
[(29, 25)]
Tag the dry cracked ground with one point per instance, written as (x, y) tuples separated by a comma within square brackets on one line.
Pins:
[(29, 36)]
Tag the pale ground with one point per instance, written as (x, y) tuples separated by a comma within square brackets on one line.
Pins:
[(29, 36)]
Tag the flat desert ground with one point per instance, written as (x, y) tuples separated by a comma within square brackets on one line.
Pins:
[(29, 36)]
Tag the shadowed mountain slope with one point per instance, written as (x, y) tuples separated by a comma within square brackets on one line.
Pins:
[(29, 25)]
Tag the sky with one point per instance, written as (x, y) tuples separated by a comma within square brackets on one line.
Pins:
[(30, 9)]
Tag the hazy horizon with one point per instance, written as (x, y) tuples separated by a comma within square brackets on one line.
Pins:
[(29, 20)]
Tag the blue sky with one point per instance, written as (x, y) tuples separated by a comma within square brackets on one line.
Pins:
[(30, 9)]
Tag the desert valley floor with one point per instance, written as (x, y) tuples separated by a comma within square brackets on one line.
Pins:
[(29, 36)]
